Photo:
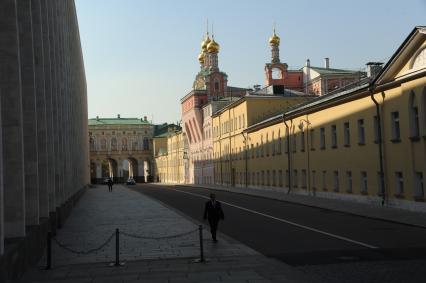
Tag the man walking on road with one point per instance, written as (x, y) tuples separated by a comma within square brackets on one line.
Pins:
[(110, 185), (213, 212)]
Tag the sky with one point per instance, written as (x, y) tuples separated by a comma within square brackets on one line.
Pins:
[(141, 56)]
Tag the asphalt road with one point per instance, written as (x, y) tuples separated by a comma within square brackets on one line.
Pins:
[(307, 237)]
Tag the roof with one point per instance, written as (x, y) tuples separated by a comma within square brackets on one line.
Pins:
[(163, 130), (330, 71), (278, 90), (117, 121)]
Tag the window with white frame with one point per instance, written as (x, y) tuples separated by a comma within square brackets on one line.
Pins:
[(346, 134), (333, 136), (419, 185), (336, 181), (322, 138), (304, 179), (399, 183), (361, 132), (395, 124), (349, 181), (324, 180), (363, 182)]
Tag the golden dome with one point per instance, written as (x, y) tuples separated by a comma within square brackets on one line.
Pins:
[(201, 57), (213, 46), (205, 43), (274, 40)]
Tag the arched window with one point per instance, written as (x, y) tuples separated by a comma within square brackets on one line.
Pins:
[(414, 116), (124, 144), (103, 144), (145, 144), (92, 144), (113, 144)]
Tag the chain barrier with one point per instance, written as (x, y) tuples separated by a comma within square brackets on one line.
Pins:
[(158, 238), (116, 235), (65, 247)]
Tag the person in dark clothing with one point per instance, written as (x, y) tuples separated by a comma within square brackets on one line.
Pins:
[(213, 212), (110, 183)]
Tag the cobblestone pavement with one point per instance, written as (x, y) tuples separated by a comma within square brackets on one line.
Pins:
[(99, 213), (235, 269)]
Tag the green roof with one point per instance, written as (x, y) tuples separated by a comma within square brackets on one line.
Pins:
[(163, 129), (329, 71), (117, 121)]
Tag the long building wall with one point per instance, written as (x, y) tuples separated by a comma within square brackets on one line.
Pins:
[(44, 144)]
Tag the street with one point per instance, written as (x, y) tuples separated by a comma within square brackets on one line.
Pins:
[(332, 245)]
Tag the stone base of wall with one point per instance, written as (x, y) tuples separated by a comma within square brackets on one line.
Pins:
[(20, 253)]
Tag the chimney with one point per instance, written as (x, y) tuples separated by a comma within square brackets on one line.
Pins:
[(326, 62), (373, 69), (145, 118), (118, 116), (308, 63)]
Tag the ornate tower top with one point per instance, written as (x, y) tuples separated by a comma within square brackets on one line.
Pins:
[(274, 42)]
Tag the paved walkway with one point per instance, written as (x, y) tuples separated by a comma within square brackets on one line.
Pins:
[(99, 213), (366, 210)]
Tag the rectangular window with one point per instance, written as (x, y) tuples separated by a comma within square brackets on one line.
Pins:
[(376, 130), (346, 134), (244, 122), (420, 192), (322, 138), (324, 180), (312, 138), (268, 178), (396, 131), (363, 182), (257, 178), (304, 181), (336, 181), (399, 183), (361, 132), (295, 179), (349, 181), (280, 178), (333, 136), (414, 126), (314, 179), (263, 178), (302, 141)]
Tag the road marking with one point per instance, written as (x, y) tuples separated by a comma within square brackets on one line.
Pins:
[(288, 222)]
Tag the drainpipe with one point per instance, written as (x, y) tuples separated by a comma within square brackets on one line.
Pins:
[(290, 183), (245, 157), (380, 141)]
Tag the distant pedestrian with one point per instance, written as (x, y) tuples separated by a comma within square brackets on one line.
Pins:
[(213, 212), (110, 183)]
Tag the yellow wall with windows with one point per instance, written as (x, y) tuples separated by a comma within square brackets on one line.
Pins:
[(347, 164)]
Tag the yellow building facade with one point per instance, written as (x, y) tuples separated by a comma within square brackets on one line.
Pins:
[(229, 125), (170, 158), (365, 144)]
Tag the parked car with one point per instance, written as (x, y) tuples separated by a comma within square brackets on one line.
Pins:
[(130, 181)]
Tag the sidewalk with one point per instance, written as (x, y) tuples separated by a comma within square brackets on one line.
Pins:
[(356, 208), (99, 213)]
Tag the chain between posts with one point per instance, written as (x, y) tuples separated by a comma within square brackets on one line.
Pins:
[(88, 251), (158, 238)]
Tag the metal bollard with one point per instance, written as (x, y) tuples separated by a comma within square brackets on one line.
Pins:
[(117, 247), (200, 229), (49, 251)]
